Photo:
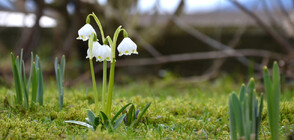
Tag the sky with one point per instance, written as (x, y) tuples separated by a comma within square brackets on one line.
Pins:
[(191, 6), (170, 5)]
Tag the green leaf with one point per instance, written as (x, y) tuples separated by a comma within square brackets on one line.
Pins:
[(96, 122), (238, 114), (62, 65), (31, 71), (232, 119), (104, 116), (34, 84), (40, 82), (18, 88), (259, 117), (119, 112), (80, 123), (106, 122), (24, 85), (91, 117), (130, 115), (276, 91), (118, 121), (135, 123), (246, 117), (242, 92), (59, 70), (19, 63), (250, 91), (56, 66)]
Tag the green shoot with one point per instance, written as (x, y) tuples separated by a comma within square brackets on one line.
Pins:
[(244, 113), (59, 72), (273, 91)]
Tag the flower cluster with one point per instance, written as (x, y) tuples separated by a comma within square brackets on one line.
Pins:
[(103, 52)]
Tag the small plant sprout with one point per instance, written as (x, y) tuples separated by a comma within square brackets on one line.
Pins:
[(22, 86), (104, 53), (106, 123), (133, 116), (273, 91), (59, 72), (245, 113)]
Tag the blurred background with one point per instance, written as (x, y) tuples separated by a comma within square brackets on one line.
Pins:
[(195, 40)]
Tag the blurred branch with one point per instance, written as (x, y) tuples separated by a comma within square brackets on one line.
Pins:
[(200, 56), (161, 33), (285, 12), (271, 18), (186, 57), (217, 63), (213, 70), (282, 41), (206, 39), (147, 46)]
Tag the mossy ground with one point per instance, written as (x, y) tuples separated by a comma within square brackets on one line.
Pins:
[(178, 111)]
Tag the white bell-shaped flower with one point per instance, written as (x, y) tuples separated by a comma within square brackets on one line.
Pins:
[(85, 32), (103, 53), (96, 46), (127, 47)]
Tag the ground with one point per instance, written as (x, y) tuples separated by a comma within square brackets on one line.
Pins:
[(178, 111)]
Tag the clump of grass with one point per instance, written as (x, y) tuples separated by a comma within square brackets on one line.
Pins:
[(273, 91), (245, 114), (59, 72), (22, 86)]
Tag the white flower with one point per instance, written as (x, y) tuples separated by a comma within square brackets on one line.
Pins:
[(85, 32), (127, 47), (103, 53), (95, 48)]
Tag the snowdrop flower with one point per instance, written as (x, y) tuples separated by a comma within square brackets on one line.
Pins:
[(127, 47), (103, 53), (85, 32), (95, 48)]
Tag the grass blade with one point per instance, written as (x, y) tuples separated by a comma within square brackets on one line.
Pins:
[(40, 82), (118, 121), (62, 65), (242, 92), (259, 117), (250, 91), (232, 120), (276, 89), (34, 83), (130, 117), (238, 114), (119, 112), (24, 85), (31, 71), (18, 88)]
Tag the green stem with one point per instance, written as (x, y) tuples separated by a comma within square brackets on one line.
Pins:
[(112, 70), (104, 84), (110, 89), (104, 81), (99, 25), (94, 86)]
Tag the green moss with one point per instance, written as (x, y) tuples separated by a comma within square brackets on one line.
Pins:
[(178, 111)]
